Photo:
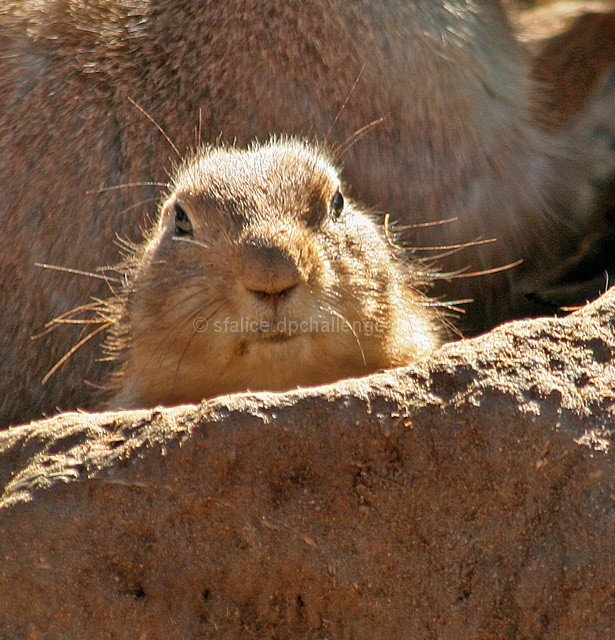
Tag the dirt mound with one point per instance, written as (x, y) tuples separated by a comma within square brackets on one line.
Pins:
[(469, 496)]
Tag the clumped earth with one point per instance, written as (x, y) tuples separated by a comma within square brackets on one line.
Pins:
[(467, 496)]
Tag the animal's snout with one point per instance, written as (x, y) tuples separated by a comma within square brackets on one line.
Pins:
[(270, 272)]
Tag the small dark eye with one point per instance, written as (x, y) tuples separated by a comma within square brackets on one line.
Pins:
[(337, 204), (183, 226)]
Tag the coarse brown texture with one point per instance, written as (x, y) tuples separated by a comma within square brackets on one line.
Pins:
[(575, 72), (444, 84), (586, 52), (470, 496)]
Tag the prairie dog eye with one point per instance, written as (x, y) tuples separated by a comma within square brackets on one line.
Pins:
[(337, 204), (183, 226)]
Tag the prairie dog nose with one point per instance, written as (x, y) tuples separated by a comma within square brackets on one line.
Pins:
[(269, 272)]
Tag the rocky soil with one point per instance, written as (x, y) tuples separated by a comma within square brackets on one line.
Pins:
[(468, 496)]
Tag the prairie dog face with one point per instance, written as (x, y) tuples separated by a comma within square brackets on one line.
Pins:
[(261, 275)]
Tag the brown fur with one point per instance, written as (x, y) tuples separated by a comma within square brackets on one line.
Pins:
[(575, 95), (457, 141), (576, 75), (570, 64), (270, 289)]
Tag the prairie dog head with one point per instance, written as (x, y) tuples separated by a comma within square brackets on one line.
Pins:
[(260, 274)]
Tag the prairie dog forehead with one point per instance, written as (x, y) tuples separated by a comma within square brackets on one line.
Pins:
[(283, 173)]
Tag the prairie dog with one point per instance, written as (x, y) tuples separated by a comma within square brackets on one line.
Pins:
[(261, 274), (444, 83)]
